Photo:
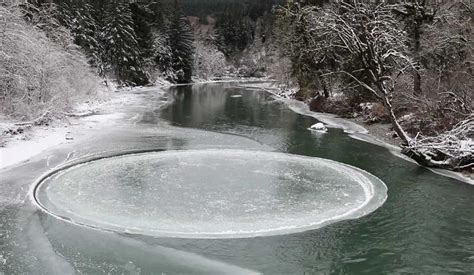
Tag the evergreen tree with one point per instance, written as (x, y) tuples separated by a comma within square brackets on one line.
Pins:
[(122, 50), (85, 30), (155, 15), (176, 60), (141, 15), (234, 32)]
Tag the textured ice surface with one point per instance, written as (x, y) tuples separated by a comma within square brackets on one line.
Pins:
[(210, 193)]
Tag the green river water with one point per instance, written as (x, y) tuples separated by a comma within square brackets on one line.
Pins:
[(426, 225)]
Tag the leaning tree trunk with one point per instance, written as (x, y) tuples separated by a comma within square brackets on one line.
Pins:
[(453, 150), (393, 119)]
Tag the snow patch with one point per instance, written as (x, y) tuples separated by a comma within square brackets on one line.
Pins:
[(19, 150), (318, 127)]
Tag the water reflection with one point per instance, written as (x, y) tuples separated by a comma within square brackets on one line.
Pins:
[(426, 225)]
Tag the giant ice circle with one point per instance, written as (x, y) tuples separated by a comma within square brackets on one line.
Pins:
[(209, 193)]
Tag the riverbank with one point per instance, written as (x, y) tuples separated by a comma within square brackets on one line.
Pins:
[(105, 112), (100, 112), (377, 133), (21, 141)]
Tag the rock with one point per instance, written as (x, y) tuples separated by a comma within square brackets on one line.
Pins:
[(320, 127)]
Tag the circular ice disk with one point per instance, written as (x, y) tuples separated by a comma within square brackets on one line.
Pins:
[(209, 193)]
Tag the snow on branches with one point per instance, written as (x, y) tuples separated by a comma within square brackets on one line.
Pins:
[(452, 150), (363, 45), (37, 76)]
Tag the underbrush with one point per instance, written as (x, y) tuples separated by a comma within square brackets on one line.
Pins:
[(39, 77), (439, 121), (443, 104)]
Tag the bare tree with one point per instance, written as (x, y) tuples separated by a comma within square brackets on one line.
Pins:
[(368, 48), (38, 78), (416, 13), (362, 44)]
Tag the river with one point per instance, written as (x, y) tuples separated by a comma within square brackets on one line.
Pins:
[(425, 226)]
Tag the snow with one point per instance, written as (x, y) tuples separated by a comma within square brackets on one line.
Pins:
[(22, 148), (354, 130), (285, 95), (319, 127), (454, 175)]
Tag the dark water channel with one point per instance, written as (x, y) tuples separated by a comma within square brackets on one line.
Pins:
[(426, 226)]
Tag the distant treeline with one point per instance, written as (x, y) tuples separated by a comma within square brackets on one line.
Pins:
[(252, 9), (131, 40)]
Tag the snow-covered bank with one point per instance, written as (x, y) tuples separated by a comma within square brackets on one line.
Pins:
[(332, 121), (247, 80), (356, 129), (97, 115), (103, 111), (20, 149)]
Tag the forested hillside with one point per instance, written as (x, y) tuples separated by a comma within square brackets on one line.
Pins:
[(242, 31), (55, 52)]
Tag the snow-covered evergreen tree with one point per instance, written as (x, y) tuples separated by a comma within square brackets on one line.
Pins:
[(176, 57), (141, 15), (122, 50), (235, 32)]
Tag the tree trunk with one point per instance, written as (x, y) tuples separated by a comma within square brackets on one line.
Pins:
[(326, 89), (417, 49), (393, 119), (417, 82)]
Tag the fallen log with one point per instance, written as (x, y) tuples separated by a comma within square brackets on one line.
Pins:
[(453, 150)]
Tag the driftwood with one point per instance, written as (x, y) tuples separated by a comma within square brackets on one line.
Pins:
[(453, 150)]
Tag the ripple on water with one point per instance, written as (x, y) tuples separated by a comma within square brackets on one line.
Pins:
[(209, 193)]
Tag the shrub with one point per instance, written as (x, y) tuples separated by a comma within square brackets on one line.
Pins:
[(37, 75)]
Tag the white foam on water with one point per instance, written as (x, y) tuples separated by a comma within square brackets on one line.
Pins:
[(210, 193)]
